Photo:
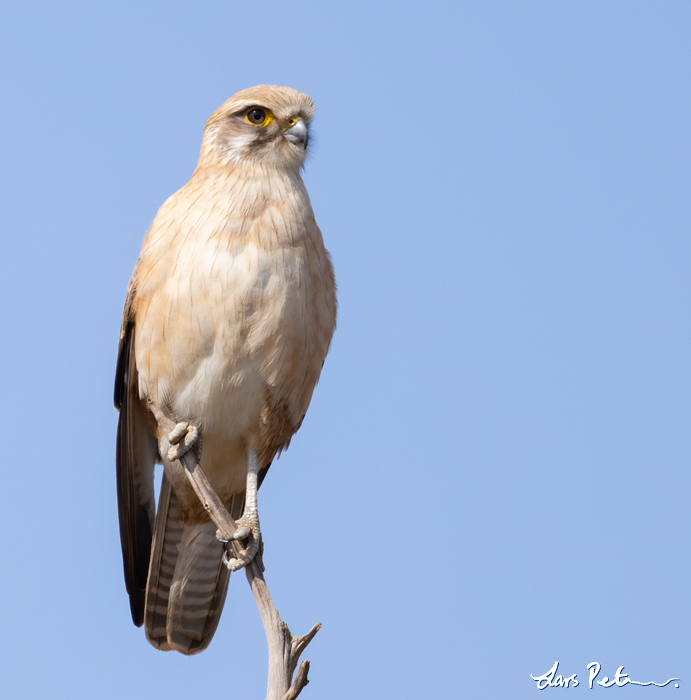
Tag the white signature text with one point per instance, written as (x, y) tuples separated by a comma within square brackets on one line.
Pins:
[(552, 679)]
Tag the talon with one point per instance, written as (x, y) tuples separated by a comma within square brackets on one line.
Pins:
[(177, 432), (178, 449), (192, 435), (230, 562), (242, 533), (245, 557), (248, 527)]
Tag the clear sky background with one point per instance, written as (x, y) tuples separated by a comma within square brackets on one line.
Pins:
[(494, 471)]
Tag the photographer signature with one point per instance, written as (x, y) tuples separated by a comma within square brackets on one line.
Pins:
[(553, 680)]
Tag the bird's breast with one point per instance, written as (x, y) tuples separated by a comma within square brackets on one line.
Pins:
[(230, 325)]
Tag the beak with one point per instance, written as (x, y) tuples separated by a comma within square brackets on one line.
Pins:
[(297, 133)]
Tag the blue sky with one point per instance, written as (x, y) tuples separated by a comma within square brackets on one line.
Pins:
[(493, 474)]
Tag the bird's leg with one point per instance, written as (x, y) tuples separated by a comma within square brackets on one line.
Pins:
[(179, 447), (248, 524)]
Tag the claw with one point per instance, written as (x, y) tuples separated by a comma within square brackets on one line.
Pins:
[(191, 435), (177, 433), (241, 533), (244, 558)]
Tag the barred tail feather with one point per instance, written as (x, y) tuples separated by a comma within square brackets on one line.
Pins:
[(198, 591), (188, 581), (164, 554)]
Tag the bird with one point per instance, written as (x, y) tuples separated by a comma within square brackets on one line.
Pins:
[(228, 318)]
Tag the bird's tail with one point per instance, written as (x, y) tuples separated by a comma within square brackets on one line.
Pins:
[(187, 582)]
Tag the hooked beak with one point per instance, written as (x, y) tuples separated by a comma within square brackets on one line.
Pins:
[(297, 133)]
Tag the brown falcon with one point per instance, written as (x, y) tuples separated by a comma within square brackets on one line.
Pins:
[(228, 318)]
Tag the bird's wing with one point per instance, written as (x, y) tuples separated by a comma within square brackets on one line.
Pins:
[(136, 454)]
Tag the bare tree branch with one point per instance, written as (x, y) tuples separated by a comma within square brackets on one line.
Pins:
[(299, 683)]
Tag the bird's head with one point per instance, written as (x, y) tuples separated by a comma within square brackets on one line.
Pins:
[(263, 125)]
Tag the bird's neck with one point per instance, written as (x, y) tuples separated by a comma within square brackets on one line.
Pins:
[(245, 201)]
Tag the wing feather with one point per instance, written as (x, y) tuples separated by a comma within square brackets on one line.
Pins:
[(136, 455)]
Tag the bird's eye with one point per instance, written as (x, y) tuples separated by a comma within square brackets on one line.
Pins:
[(256, 115)]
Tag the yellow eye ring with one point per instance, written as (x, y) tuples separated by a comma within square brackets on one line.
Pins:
[(258, 116)]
